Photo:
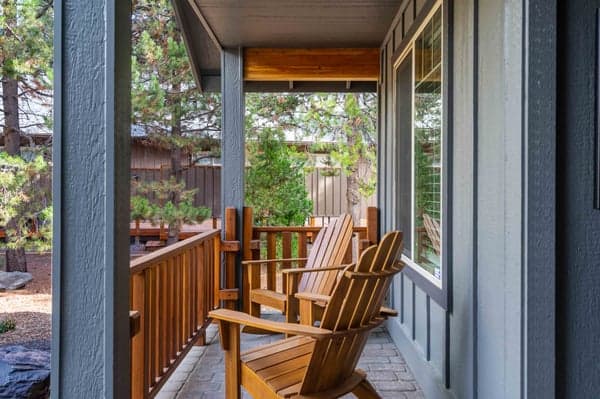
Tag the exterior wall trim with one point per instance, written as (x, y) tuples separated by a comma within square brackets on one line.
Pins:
[(539, 199), (432, 384)]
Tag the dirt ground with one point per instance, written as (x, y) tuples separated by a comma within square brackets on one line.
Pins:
[(30, 307)]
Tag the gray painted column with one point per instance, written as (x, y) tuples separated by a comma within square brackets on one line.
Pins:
[(232, 138), (90, 279), (539, 224)]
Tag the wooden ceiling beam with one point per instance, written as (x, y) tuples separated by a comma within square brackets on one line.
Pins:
[(316, 64)]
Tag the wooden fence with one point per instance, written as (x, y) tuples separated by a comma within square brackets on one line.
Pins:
[(327, 192), (205, 178)]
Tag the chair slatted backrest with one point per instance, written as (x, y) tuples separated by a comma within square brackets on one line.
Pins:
[(353, 309), (329, 249), (432, 228)]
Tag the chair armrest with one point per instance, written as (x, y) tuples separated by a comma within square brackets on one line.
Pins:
[(232, 316), (299, 270), (388, 312), (266, 261)]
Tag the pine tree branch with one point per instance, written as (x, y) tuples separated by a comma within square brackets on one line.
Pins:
[(49, 4)]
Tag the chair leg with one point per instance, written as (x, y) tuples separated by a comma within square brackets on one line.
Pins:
[(365, 390), (291, 314), (230, 340), (254, 309)]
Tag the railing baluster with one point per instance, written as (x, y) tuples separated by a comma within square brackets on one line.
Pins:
[(202, 301), (171, 310), (147, 332), (178, 287), (271, 254), (302, 243), (286, 251), (185, 264), (194, 300), (138, 379), (163, 319), (155, 327), (172, 289)]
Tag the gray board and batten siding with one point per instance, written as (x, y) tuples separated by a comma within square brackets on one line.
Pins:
[(578, 238), (489, 332)]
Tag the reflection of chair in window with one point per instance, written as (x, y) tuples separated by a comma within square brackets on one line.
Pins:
[(432, 227)]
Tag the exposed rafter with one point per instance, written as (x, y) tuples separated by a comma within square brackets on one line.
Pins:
[(205, 24)]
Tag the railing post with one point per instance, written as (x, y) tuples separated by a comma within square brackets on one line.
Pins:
[(216, 288), (246, 255), (372, 224), (230, 265)]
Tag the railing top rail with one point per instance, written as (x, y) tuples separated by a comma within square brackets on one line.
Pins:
[(143, 262), (298, 229)]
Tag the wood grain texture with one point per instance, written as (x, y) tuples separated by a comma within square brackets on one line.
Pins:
[(319, 362), (172, 292), (317, 64)]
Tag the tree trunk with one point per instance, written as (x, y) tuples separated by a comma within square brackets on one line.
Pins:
[(176, 167), (16, 260), (352, 181), (10, 102), (172, 235), (353, 197)]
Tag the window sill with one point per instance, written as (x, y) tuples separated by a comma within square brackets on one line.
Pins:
[(426, 282)]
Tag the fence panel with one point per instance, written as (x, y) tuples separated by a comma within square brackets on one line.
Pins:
[(328, 192)]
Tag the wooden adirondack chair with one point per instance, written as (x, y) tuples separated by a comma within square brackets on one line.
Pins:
[(326, 256), (432, 227), (319, 362)]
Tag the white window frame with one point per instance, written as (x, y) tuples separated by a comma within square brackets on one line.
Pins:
[(410, 51)]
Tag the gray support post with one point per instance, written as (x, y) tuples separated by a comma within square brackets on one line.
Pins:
[(232, 138), (90, 277), (539, 224)]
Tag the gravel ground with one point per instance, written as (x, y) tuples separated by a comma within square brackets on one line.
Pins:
[(30, 307)]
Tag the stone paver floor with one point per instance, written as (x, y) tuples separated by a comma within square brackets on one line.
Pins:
[(201, 374)]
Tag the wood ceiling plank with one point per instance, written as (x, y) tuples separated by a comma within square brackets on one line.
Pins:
[(317, 64)]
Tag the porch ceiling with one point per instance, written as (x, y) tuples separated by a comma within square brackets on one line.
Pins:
[(209, 25), (293, 23)]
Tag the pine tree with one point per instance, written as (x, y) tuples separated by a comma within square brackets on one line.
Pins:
[(165, 100), (26, 74), (25, 68)]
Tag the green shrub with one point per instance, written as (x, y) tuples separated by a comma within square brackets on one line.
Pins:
[(7, 325)]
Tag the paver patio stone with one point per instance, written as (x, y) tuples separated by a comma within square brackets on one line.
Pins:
[(201, 375)]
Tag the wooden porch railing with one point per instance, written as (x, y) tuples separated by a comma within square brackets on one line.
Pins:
[(292, 242), (172, 290)]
